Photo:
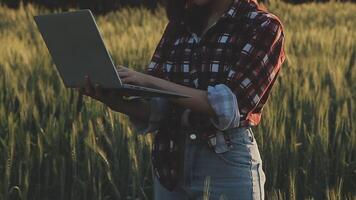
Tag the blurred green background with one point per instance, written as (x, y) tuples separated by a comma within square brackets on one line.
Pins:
[(103, 6), (55, 145)]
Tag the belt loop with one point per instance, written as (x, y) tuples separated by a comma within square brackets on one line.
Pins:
[(227, 139)]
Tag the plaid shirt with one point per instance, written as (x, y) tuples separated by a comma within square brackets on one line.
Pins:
[(244, 50), (237, 61)]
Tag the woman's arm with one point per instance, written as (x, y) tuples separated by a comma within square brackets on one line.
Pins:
[(137, 109), (199, 101)]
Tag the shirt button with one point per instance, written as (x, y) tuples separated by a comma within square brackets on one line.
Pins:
[(193, 136)]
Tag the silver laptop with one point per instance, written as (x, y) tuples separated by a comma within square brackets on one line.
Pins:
[(77, 49)]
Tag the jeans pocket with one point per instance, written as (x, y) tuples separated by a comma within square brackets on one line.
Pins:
[(249, 137), (239, 154)]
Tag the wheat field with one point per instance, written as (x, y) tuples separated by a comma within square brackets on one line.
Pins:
[(55, 145)]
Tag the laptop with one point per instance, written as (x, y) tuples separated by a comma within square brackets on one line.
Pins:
[(77, 49)]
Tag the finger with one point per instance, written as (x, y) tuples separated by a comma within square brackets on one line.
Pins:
[(98, 91), (121, 68), (88, 86), (124, 74), (127, 79)]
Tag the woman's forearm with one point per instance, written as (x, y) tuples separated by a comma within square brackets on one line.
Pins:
[(137, 109), (199, 101)]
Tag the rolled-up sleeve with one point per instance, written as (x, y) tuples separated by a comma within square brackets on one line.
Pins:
[(224, 103), (159, 108)]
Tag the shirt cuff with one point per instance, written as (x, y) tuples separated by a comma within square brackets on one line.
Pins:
[(159, 108), (224, 103)]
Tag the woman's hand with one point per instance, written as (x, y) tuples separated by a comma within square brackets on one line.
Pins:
[(108, 97), (133, 77), (114, 99)]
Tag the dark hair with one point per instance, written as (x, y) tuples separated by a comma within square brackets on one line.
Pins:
[(194, 15)]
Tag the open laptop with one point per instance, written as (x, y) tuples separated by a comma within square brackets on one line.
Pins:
[(77, 48)]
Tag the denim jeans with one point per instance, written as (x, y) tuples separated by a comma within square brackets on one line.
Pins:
[(236, 174)]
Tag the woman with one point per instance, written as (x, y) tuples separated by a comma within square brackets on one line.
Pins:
[(226, 55)]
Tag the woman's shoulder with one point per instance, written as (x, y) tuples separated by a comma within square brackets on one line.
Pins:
[(262, 18)]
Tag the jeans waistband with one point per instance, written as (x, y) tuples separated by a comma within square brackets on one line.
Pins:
[(201, 136)]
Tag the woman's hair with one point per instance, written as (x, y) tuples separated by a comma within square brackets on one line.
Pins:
[(183, 10), (191, 14)]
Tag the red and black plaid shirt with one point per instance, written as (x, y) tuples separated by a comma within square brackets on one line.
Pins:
[(244, 50)]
